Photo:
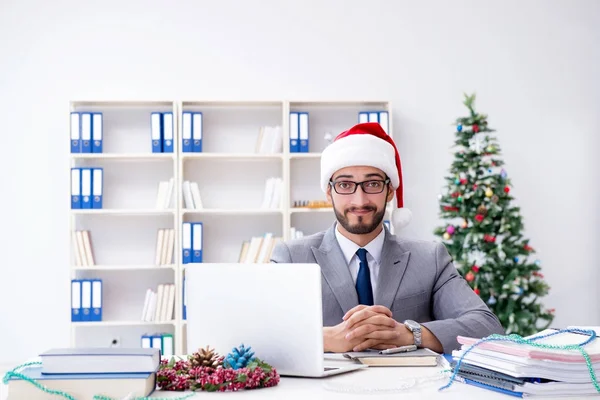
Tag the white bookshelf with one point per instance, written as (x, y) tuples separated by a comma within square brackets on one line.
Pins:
[(231, 177)]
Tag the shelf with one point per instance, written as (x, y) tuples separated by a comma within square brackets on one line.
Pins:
[(305, 155), (225, 211), (124, 156), (124, 267), (310, 210), (121, 323), (124, 211), (231, 156)]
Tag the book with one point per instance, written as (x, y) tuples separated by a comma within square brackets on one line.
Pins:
[(81, 386), (419, 358), (100, 360)]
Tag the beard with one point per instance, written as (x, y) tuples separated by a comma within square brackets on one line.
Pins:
[(361, 227)]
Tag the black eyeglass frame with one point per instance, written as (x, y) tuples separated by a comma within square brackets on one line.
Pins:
[(386, 182)]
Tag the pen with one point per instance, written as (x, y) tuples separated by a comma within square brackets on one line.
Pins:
[(401, 349)]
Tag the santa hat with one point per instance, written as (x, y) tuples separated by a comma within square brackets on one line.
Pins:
[(367, 144)]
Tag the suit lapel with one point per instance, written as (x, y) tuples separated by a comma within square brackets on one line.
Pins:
[(335, 270), (391, 270)]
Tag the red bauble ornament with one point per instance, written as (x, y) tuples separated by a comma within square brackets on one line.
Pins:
[(475, 187), (469, 276), (463, 181), (489, 238), (455, 194), (479, 217), (475, 268), (475, 128), (528, 247), (476, 291), (506, 189), (450, 208)]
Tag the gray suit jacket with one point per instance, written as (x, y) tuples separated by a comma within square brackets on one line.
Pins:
[(417, 280)]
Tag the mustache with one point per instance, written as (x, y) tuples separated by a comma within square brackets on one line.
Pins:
[(364, 208)]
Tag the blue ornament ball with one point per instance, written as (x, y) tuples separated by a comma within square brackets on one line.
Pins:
[(503, 174), (459, 128), (537, 262), (516, 259), (492, 300)]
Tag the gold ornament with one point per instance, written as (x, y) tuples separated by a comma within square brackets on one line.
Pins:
[(205, 358), (446, 236), (482, 210), (491, 148), (489, 192)]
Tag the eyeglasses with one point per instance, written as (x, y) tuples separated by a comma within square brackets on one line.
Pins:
[(369, 187)]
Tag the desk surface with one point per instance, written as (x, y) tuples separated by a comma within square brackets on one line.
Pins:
[(376, 383)]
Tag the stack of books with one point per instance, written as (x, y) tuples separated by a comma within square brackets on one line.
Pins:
[(521, 369), (86, 372)]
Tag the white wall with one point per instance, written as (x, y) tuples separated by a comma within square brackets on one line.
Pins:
[(533, 64)]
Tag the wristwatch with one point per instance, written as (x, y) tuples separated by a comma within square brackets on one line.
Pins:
[(415, 328)]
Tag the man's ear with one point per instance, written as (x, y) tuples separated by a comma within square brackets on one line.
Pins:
[(328, 194), (390, 194)]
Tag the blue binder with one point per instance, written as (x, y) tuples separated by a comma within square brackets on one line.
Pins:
[(186, 133), (363, 116), (197, 127), (75, 300), (97, 132), (86, 300), (304, 132), (86, 188), (75, 133), (96, 314), (294, 132), (97, 187), (156, 132), (75, 188), (186, 244), (146, 341), (86, 132), (197, 242), (184, 311), (167, 133)]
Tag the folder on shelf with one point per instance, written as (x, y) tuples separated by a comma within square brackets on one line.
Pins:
[(186, 133), (186, 243), (197, 242), (303, 132), (86, 132), (197, 132), (168, 132), (86, 188), (96, 314), (75, 133), (86, 299), (373, 116), (294, 132), (383, 121), (146, 341), (97, 132), (156, 132), (168, 348), (97, 187), (363, 117), (75, 188), (75, 300), (156, 341), (184, 301)]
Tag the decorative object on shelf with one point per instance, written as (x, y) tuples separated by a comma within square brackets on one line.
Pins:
[(312, 204), (328, 138), (205, 370)]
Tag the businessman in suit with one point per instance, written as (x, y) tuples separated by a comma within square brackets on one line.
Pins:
[(380, 291)]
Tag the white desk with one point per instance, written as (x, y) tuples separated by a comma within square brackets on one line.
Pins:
[(370, 378)]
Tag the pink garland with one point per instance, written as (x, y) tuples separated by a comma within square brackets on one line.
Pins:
[(178, 376)]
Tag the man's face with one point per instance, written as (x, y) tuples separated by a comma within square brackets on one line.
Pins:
[(359, 213)]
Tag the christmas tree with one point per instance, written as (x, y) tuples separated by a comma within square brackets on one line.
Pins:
[(483, 230)]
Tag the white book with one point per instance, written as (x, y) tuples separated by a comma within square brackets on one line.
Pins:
[(171, 305), (169, 196), (255, 244), (276, 193), (187, 195), (159, 299), (169, 246), (146, 304), (267, 138), (159, 245), (165, 302), (152, 307), (81, 246), (77, 254), (163, 186), (87, 241), (264, 248), (277, 143), (268, 193), (196, 195)]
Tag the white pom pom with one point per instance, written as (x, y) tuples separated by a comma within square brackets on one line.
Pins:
[(401, 217)]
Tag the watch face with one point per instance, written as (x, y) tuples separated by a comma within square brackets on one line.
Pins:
[(412, 324)]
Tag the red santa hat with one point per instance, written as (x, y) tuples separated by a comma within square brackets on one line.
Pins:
[(367, 144)]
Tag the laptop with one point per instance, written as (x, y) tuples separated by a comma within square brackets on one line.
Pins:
[(274, 308)]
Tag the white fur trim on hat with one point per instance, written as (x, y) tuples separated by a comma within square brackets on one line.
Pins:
[(357, 150)]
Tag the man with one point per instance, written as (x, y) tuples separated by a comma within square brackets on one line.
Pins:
[(380, 291)]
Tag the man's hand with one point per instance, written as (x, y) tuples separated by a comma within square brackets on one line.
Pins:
[(363, 327)]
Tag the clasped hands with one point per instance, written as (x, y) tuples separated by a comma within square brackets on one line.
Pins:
[(366, 327)]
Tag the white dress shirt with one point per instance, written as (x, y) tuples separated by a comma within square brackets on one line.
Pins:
[(374, 248)]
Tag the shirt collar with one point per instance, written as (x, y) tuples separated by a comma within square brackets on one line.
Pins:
[(374, 247)]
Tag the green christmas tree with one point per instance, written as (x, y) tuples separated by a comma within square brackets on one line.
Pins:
[(483, 230)]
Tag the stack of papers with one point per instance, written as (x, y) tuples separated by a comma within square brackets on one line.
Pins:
[(523, 369)]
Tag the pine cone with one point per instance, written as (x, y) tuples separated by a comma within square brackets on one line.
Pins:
[(239, 357), (205, 358), (482, 210)]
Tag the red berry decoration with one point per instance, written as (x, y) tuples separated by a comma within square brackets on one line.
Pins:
[(475, 268), (506, 189), (528, 247), (470, 276), (475, 128), (463, 181), (489, 238), (476, 291), (479, 217)]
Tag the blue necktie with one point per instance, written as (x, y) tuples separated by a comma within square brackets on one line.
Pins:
[(363, 280)]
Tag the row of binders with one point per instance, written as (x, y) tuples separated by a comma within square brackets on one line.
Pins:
[(192, 242), (375, 116), (162, 341), (83, 249), (86, 188), (159, 304), (162, 129), (191, 132), (86, 132), (86, 300), (258, 249)]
